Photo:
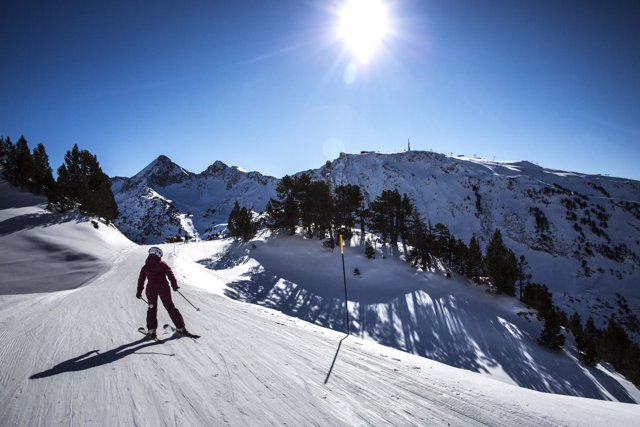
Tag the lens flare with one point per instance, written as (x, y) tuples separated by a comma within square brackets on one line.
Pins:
[(350, 73), (332, 148)]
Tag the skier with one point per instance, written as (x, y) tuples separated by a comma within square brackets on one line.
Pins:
[(157, 271)]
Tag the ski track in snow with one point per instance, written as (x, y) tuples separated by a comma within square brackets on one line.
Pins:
[(75, 358)]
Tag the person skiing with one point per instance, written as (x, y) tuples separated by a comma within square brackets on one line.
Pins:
[(156, 272)]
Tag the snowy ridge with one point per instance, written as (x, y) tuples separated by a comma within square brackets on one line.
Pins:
[(165, 200), (253, 365)]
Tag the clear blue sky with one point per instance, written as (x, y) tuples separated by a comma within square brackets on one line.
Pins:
[(266, 85)]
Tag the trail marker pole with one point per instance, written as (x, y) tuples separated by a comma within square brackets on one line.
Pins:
[(344, 277)]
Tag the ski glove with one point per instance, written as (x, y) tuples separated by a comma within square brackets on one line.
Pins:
[(175, 289), (138, 295)]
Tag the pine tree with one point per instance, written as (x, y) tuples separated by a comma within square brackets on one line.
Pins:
[(458, 257), (587, 349), (390, 215), (348, 203), (285, 210), (421, 240), (247, 226), (475, 260), (289, 215), (6, 158), (502, 265), (575, 324), (591, 329), (304, 200), (384, 218), (551, 336), (321, 209), (72, 182), (82, 183), (42, 173), (369, 251), (405, 219), (22, 165), (232, 222), (269, 219), (614, 343), (630, 365), (538, 296), (441, 237), (100, 201), (4, 148)]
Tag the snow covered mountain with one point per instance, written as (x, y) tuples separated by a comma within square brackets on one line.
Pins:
[(591, 220), (72, 355), (165, 200), (579, 233)]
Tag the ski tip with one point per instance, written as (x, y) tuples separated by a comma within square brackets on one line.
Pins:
[(190, 335)]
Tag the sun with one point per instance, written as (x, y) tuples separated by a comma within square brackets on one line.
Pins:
[(363, 26)]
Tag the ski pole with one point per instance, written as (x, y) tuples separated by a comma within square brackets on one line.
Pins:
[(187, 300)]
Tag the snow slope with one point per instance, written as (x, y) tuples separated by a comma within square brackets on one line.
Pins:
[(74, 357), (448, 320), (59, 251)]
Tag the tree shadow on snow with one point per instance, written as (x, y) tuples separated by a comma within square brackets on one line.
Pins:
[(95, 358), (12, 197), (34, 220), (455, 332), (438, 323)]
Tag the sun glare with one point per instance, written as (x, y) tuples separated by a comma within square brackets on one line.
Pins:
[(363, 26)]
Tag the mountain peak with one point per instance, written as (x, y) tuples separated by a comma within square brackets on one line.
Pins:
[(162, 159), (161, 172), (216, 168)]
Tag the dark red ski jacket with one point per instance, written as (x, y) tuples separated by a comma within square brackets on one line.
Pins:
[(156, 271)]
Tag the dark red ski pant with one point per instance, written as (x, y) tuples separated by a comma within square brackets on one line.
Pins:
[(152, 312)]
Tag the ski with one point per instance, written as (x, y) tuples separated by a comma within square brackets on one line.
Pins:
[(170, 328), (143, 331)]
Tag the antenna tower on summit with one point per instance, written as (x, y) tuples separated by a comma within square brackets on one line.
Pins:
[(408, 144)]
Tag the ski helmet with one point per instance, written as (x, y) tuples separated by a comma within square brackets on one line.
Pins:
[(154, 250)]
